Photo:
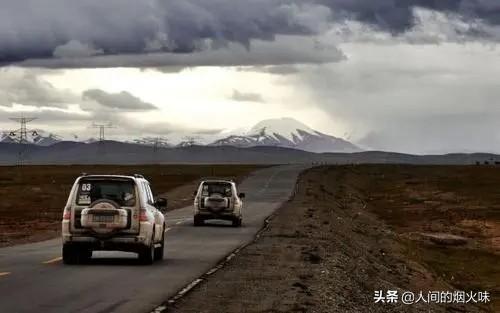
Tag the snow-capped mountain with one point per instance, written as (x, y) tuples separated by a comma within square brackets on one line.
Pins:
[(288, 132), (37, 137), (283, 132), (159, 142), (188, 143), (5, 138)]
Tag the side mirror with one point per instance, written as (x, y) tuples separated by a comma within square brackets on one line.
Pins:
[(241, 195), (161, 204)]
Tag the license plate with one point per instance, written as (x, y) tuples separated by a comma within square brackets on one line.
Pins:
[(103, 218)]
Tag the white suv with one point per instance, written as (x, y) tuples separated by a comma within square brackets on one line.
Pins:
[(218, 199), (111, 212)]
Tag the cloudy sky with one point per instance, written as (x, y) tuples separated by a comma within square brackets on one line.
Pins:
[(419, 76)]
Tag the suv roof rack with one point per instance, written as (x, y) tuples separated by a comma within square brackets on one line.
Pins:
[(84, 174), (217, 178), (138, 176)]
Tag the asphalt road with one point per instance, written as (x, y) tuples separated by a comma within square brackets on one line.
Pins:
[(33, 278)]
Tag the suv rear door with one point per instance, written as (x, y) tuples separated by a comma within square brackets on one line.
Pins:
[(123, 191)]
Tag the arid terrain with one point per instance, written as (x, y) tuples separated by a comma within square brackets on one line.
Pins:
[(32, 197), (348, 231), (352, 230)]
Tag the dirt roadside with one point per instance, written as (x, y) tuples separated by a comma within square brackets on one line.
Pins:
[(329, 249), (32, 197)]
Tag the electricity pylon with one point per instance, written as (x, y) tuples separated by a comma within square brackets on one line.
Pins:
[(21, 135), (160, 142), (102, 130), (190, 140)]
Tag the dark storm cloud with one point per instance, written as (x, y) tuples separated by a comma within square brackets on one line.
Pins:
[(123, 101), (68, 29), (288, 50), (64, 29), (396, 16)]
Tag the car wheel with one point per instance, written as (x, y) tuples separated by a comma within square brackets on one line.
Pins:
[(237, 222), (198, 221), (147, 254), (160, 251), (84, 255), (69, 254)]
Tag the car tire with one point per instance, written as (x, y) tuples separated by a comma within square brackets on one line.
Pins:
[(198, 221), (69, 254), (237, 222), (147, 254), (160, 251), (84, 255)]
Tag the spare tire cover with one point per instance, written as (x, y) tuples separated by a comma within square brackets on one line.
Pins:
[(104, 204), (216, 202)]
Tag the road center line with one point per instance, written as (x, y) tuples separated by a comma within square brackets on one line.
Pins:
[(53, 260), (266, 185), (4, 273)]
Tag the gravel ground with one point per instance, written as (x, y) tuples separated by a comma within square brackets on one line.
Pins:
[(322, 252)]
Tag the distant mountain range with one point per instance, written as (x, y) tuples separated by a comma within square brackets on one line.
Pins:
[(276, 141), (283, 132), (37, 137), (112, 152), (288, 133)]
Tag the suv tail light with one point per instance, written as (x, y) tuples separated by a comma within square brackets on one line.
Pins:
[(67, 214), (143, 216)]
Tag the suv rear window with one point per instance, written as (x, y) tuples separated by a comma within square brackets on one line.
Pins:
[(222, 188), (120, 191)]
